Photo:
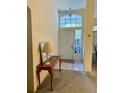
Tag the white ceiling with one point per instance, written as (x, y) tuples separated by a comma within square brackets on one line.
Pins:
[(75, 5)]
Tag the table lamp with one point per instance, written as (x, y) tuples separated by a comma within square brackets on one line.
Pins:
[(47, 49)]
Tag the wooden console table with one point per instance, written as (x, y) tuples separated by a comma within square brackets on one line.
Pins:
[(49, 67)]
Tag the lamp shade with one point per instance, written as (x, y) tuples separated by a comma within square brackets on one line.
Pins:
[(47, 48)]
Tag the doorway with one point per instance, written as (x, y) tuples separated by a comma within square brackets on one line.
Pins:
[(70, 41), (66, 44), (70, 49), (70, 45)]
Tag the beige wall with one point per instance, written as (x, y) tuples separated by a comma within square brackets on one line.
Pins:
[(89, 35), (44, 28)]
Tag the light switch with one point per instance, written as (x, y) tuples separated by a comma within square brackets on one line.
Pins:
[(89, 35)]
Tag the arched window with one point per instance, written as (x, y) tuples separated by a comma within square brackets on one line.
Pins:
[(74, 21)]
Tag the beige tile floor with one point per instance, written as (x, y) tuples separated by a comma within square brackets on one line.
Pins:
[(75, 66)]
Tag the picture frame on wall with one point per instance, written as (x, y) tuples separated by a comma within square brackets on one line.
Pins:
[(42, 54)]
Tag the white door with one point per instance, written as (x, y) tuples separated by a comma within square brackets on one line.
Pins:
[(66, 44)]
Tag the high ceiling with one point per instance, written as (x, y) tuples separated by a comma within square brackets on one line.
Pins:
[(75, 5)]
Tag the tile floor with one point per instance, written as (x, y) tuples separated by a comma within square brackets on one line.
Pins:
[(75, 66)]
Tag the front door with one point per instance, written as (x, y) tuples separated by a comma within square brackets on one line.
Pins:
[(66, 44)]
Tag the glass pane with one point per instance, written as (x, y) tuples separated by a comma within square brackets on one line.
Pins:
[(67, 25), (73, 21), (95, 28), (62, 25), (67, 21)]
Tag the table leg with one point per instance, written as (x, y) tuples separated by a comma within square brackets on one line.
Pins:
[(60, 64), (51, 78), (38, 76)]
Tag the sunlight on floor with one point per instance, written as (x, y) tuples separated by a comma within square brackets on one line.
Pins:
[(75, 66)]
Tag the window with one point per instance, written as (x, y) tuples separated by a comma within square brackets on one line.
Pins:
[(73, 21), (77, 41), (95, 28)]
